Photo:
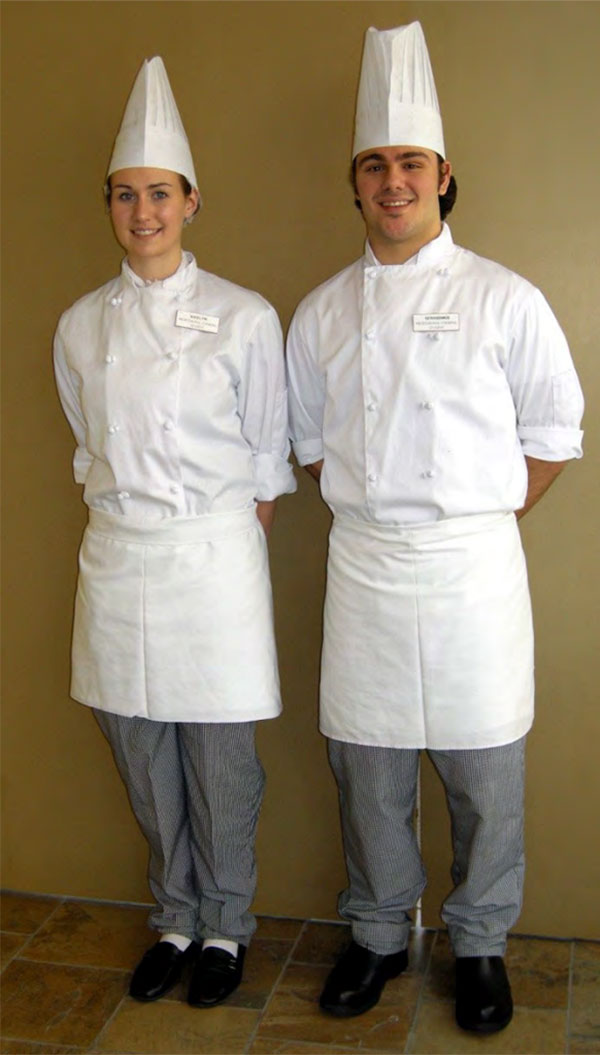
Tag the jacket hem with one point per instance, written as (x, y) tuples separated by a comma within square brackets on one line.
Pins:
[(200, 718), (478, 743)]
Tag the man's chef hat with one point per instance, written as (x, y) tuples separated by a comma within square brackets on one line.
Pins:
[(151, 133), (397, 101)]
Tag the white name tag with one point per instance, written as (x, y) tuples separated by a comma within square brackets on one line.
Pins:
[(193, 320), (436, 320)]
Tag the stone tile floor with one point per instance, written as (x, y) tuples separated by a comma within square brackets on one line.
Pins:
[(66, 966)]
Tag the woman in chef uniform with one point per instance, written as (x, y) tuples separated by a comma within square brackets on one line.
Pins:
[(172, 381)]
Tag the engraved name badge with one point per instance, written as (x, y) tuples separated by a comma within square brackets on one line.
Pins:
[(193, 320), (434, 321)]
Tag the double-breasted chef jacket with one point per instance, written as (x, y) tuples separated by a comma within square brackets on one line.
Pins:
[(175, 392), (423, 386)]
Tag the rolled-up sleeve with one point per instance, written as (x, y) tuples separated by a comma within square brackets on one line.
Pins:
[(306, 396), (68, 384), (262, 402), (545, 388)]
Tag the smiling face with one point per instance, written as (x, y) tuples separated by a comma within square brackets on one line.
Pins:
[(398, 190), (148, 207)]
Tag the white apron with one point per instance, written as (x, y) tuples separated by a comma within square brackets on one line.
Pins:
[(174, 620), (428, 638)]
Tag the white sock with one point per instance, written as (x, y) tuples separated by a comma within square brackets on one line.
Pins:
[(221, 943), (178, 941)]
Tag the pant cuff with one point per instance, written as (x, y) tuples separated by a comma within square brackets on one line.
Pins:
[(377, 941), (184, 932), (477, 947)]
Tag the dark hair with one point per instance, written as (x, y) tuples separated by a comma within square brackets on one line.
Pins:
[(446, 200), (185, 186)]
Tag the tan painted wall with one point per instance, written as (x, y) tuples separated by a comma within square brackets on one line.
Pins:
[(267, 93)]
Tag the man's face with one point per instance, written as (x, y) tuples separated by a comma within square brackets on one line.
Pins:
[(398, 189)]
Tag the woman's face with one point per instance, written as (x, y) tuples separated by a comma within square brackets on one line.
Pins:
[(148, 207)]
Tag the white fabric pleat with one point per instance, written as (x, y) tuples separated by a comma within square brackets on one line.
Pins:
[(173, 620), (428, 638)]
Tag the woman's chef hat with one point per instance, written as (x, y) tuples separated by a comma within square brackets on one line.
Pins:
[(151, 133), (397, 101)]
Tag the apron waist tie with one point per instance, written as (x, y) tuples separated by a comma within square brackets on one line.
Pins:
[(172, 531), (428, 532)]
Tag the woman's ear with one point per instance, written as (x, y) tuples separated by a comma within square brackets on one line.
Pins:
[(191, 205)]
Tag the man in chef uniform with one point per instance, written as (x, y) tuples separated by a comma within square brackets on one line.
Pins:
[(434, 397), (173, 382)]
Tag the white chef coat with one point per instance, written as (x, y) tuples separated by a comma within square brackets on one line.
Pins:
[(417, 421), (171, 420), (175, 391), (423, 386)]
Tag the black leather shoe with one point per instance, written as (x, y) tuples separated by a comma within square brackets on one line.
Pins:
[(358, 978), (216, 974), (159, 970), (483, 998)]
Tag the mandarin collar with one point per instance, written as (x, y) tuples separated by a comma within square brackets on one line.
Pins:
[(427, 256), (181, 281)]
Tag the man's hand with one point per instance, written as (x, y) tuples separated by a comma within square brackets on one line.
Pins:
[(540, 475), (315, 469), (265, 512)]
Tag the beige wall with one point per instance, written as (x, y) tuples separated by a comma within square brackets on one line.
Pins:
[(267, 92)]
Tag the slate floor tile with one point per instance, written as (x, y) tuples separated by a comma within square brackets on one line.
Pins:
[(585, 992), (58, 1004), (23, 914), (177, 1029), (94, 935), (10, 945), (532, 1031)]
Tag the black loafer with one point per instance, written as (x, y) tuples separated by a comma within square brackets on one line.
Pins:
[(483, 998), (216, 974), (358, 978), (159, 970)]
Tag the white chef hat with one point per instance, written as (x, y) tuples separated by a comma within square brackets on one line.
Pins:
[(152, 133), (397, 102)]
